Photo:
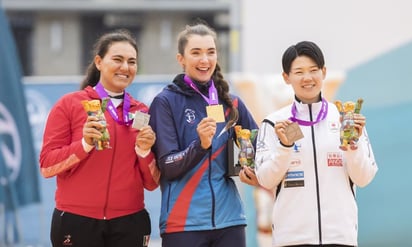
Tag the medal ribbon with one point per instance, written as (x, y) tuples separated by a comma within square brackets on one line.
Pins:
[(112, 109), (213, 97), (322, 114)]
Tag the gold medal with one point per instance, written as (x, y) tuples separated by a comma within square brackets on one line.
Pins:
[(216, 112)]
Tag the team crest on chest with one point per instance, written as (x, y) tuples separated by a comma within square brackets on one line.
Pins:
[(190, 116)]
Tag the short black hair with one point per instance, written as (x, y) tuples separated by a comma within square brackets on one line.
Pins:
[(303, 48)]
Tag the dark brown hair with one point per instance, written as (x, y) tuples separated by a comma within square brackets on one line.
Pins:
[(101, 47)]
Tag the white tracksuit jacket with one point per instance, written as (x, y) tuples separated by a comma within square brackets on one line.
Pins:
[(315, 180)]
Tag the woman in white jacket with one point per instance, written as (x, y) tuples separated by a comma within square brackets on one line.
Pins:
[(314, 179)]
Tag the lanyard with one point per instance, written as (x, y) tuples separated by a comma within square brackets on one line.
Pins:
[(322, 114), (213, 97), (112, 109)]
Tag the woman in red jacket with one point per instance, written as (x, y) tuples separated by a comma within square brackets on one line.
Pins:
[(100, 188)]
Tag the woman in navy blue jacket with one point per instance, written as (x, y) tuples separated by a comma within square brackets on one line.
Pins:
[(193, 117)]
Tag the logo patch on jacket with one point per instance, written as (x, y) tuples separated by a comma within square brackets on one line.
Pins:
[(335, 159), (294, 179), (295, 162), (296, 147), (190, 116), (174, 158), (334, 127)]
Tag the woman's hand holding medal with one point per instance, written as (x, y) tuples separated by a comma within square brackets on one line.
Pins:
[(145, 138), (288, 132), (206, 129)]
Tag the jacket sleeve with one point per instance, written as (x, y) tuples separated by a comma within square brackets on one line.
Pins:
[(60, 152), (173, 160), (271, 157), (149, 171), (361, 165), (245, 116)]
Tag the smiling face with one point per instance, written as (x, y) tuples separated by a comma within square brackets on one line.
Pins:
[(118, 67), (306, 78), (199, 57)]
